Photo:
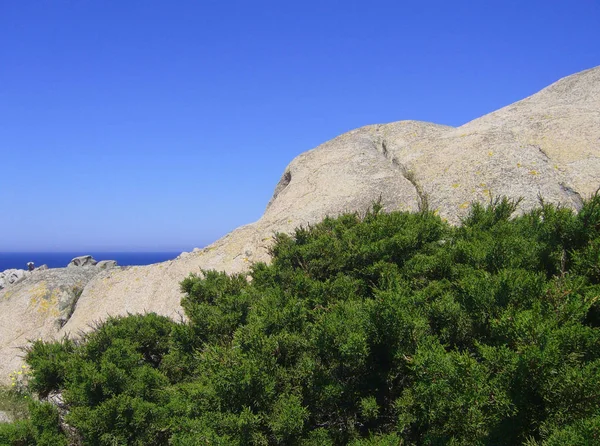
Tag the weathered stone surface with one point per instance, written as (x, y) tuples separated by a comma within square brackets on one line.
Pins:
[(37, 307), (547, 144), (82, 261), (13, 276), (106, 264)]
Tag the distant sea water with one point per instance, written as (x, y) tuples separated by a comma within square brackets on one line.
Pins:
[(19, 260)]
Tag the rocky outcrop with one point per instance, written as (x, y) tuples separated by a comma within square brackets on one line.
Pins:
[(14, 276), (106, 264), (547, 144), (82, 261), (11, 277)]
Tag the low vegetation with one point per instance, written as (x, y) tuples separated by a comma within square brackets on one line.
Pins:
[(13, 403), (376, 329)]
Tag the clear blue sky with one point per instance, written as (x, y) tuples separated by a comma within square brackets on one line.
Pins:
[(163, 125)]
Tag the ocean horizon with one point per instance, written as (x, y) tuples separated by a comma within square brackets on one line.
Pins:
[(19, 260)]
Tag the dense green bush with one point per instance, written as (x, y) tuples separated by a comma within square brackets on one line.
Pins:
[(382, 329), (42, 428)]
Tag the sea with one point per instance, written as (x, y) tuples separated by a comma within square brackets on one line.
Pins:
[(19, 260)]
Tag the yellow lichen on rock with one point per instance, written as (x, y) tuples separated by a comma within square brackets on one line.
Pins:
[(38, 293), (44, 299)]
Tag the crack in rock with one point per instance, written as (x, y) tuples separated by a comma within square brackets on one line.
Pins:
[(408, 174), (573, 195)]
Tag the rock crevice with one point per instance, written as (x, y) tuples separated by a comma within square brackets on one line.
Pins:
[(407, 173)]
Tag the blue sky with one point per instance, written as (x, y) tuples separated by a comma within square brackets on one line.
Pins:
[(163, 125)]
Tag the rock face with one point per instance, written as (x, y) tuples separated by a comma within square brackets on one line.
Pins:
[(547, 144), (37, 307)]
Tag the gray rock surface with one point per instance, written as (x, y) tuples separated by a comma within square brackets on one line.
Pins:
[(12, 276), (16, 275), (106, 264), (4, 417), (82, 261), (546, 144)]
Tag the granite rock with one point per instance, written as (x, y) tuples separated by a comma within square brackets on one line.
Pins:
[(37, 307), (82, 261), (106, 264), (547, 144)]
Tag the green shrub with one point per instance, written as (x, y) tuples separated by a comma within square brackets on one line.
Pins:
[(18, 433), (378, 329), (41, 429), (46, 426), (49, 361)]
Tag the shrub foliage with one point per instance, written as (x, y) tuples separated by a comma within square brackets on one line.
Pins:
[(380, 329)]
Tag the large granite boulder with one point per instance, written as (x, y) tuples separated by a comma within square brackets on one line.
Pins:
[(106, 264), (82, 261), (12, 276), (16, 275), (547, 144)]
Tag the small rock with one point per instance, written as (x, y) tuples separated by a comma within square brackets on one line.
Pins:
[(41, 268), (196, 250), (106, 264), (16, 275), (82, 261), (4, 417)]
